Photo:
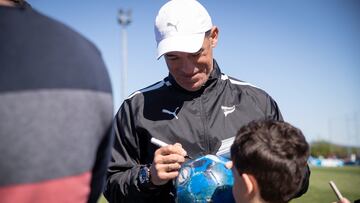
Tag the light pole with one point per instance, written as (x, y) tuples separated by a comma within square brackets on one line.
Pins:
[(124, 19)]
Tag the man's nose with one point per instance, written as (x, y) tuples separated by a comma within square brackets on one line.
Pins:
[(188, 65)]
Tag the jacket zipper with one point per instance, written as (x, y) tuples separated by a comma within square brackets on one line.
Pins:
[(203, 120)]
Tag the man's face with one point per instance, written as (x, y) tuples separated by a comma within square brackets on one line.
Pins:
[(192, 70)]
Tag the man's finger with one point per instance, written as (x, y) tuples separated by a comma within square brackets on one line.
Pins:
[(171, 149), (169, 175), (168, 167), (173, 158)]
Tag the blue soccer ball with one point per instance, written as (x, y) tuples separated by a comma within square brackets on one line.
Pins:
[(205, 179)]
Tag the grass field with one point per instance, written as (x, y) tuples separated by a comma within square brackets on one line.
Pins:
[(347, 180)]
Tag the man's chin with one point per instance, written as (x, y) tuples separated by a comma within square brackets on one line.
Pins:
[(193, 88)]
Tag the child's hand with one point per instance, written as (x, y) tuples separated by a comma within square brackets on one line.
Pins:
[(229, 164), (343, 200)]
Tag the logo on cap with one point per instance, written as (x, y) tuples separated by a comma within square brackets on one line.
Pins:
[(172, 25)]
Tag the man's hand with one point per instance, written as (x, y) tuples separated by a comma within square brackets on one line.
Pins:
[(166, 164)]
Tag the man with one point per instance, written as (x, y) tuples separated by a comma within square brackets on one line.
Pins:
[(269, 162), (56, 110), (193, 110)]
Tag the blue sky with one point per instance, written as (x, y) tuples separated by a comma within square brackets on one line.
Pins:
[(304, 53)]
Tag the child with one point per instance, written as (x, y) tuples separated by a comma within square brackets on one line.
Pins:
[(269, 162)]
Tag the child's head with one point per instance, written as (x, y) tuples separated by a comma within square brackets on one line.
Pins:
[(269, 160)]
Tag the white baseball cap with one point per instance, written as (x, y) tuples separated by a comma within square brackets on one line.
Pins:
[(180, 25)]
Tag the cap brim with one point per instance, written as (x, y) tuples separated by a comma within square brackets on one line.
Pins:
[(184, 43)]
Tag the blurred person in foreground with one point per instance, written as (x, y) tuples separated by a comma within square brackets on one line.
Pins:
[(56, 110), (269, 162), (194, 109), (344, 200)]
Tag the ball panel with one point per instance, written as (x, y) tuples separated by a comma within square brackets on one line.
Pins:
[(205, 179)]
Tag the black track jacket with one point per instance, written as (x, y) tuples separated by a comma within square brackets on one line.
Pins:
[(198, 120)]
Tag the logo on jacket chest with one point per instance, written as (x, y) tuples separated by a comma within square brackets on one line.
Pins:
[(228, 109), (173, 113)]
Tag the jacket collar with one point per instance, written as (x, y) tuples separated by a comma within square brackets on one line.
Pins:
[(214, 75)]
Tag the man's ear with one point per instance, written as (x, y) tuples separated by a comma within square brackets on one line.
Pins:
[(214, 34)]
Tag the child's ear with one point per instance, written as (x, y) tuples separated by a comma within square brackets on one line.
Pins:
[(250, 183)]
